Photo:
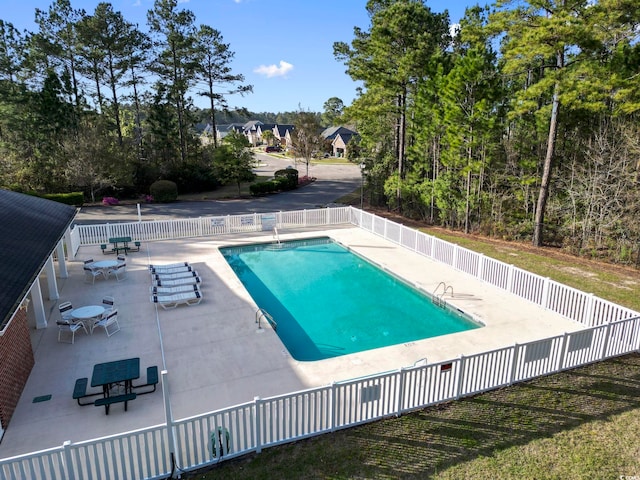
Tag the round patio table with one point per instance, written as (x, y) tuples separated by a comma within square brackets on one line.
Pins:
[(105, 265), (87, 315)]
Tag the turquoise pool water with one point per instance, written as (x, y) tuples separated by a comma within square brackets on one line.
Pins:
[(328, 301)]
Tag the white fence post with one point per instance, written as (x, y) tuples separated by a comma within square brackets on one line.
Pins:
[(454, 260), (460, 377), (545, 293), (588, 312), (68, 461), (332, 403), (480, 266), (562, 352), (605, 341), (258, 424), (401, 381), (510, 279), (514, 363), (171, 440)]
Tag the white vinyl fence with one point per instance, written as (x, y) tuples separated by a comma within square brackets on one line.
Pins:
[(195, 442)]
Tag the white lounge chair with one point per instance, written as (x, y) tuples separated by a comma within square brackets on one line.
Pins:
[(174, 276), (173, 290), (168, 266), (168, 271), (172, 301), (179, 281)]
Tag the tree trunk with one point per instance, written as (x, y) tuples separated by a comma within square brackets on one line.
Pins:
[(543, 195), (116, 104), (401, 134), (212, 120)]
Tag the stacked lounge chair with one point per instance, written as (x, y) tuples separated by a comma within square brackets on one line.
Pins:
[(174, 284), (173, 276), (172, 301), (173, 290)]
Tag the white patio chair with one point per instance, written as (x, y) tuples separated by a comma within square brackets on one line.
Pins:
[(91, 274), (108, 303), (109, 323), (65, 311), (121, 259), (120, 271), (69, 327)]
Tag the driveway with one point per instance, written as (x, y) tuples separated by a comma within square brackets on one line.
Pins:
[(333, 181)]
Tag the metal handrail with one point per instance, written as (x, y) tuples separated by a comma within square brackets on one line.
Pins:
[(439, 299), (260, 313)]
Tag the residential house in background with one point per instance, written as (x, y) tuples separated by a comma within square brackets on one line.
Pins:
[(338, 138), (263, 128), (224, 130), (33, 231), (282, 132), (251, 131)]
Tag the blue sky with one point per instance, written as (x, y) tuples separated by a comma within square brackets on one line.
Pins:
[(284, 48)]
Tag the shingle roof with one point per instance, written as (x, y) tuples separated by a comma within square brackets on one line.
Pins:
[(31, 229), (252, 124), (332, 132), (282, 128), (346, 137)]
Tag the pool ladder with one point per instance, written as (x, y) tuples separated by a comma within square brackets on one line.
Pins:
[(262, 313), (438, 299), (275, 235)]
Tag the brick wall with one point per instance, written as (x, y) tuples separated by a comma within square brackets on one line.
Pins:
[(16, 362)]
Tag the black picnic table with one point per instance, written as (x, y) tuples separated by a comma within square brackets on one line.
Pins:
[(109, 374), (120, 240)]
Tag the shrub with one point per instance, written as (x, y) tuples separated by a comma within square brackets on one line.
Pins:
[(164, 191), (73, 198), (263, 188), (287, 177), (109, 201)]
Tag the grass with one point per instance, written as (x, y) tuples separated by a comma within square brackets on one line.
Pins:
[(573, 425), (617, 284)]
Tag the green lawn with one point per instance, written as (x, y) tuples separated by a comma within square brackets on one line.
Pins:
[(581, 424)]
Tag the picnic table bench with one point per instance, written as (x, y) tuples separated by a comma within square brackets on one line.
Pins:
[(80, 391), (116, 241), (107, 401), (152, 380)]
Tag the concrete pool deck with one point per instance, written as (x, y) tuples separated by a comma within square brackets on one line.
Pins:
[(213, 352)]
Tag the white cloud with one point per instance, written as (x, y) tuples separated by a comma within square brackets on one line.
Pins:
[(280, 70)]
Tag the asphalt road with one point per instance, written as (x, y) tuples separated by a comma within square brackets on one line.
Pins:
[(333, 181)]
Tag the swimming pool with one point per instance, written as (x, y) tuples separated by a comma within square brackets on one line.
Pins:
[(327, 301)]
